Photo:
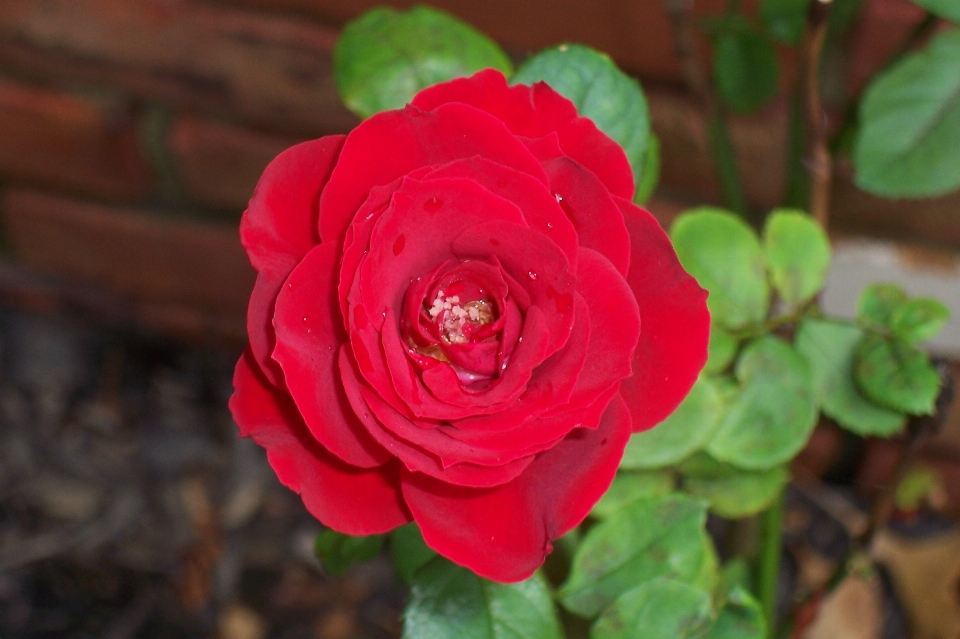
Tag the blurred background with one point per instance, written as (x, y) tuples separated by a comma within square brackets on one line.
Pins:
[(132, 133)]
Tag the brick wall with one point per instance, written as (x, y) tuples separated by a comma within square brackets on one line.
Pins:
[(132, 133)]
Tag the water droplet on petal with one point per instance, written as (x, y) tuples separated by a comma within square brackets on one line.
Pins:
[(433, 204), (399, 244), (494, 242), (532, 275)]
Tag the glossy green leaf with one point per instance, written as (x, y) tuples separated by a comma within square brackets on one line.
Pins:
[(409, 551), (650, 174), (658, 609), (798, 255), (785, 19), (877, 304), (918, 319), (949, 9), (685, 431), (724, 255), (384, 57), (745, 71), (721, 350), (830, 347), (450, 602), (630, 487), (896, 375), (772, 416), (651, 538), (337, 552), (909, 138), (601, 91), (740, 617), (732, 492)]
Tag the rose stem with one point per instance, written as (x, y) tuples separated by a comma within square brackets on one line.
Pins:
[(819, 161), (724, 157), (768, 573), (919, 429)]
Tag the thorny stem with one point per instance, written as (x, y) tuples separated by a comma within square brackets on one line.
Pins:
[(768, 573), (819, 161), (724, 159)]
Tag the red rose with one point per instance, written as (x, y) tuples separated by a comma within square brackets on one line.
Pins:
[(446, 324)]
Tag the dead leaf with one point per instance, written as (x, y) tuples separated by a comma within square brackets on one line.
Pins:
[(926, 577), (852, 611)]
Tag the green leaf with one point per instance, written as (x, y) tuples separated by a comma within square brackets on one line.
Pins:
[(919, 319), (601, 91), (949, 9), (896, 375), (741, 617), (731, 491), (650, 174), (337, 552), (877, 304), (772, 416), (724, 255), (409, 550), (830, 347), (798, 255), (658, 609), (685, 431), (384, 57), (745, 71), (721, 350), (629, 488), (651, 538), (450, 602), (785, 19), (909, 139)]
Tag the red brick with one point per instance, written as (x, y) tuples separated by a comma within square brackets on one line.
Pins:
[(269, 70), (635, 33), (220, 164), (69, 143), (171, 270)]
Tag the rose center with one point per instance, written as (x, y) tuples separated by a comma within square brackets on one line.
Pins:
[(458, 322)]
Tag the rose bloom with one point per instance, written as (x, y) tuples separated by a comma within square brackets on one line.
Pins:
[(459, 319)]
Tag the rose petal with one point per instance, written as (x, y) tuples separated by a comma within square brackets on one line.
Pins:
[(530, 111), (351, 500), (585, 143), (534, 111), (540, 208), (415, 457), (309, 334), (504, 533), (551, 384), (615, 326), (278, 228), (676, 324), (391, 144), (591, 208)]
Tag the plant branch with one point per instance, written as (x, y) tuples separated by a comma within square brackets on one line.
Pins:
[(768, 573), (721, 147), (819, 161), (919, 430)]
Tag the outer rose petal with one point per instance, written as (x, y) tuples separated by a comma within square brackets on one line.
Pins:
[(351, 500), (534, 111), (504, 533), (309, 334), (391, 144), (279, 227), (675, 323)]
